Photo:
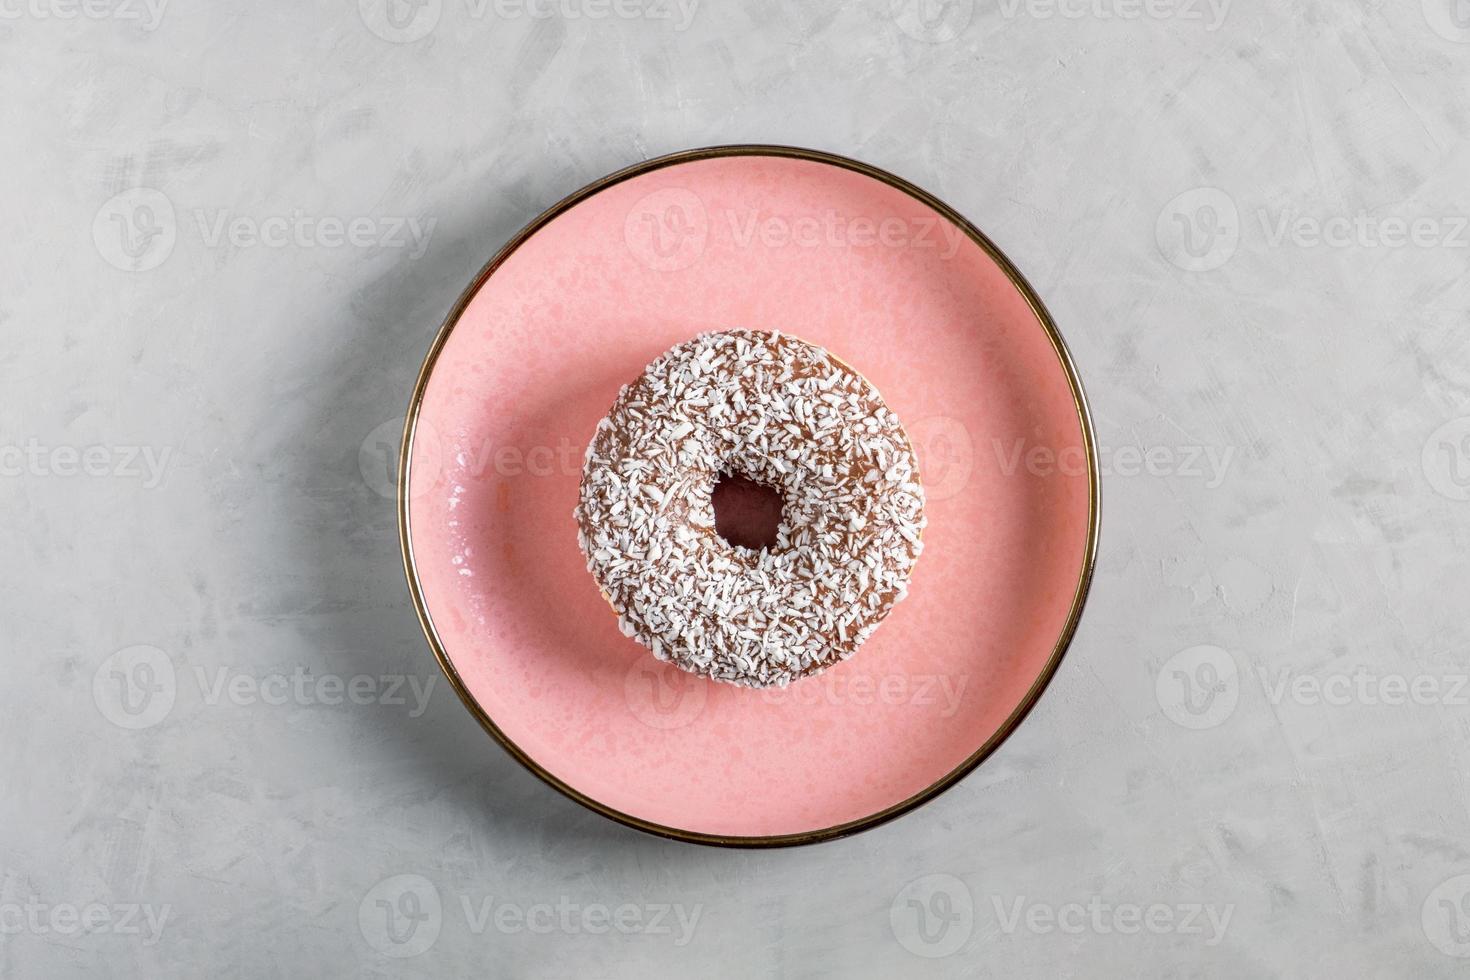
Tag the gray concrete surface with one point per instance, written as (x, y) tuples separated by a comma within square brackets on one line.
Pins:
[(1249, 219)]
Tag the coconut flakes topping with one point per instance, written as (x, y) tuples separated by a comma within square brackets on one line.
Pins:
[(778, 411)]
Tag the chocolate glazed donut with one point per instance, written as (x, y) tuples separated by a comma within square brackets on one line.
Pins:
[(783, 413)]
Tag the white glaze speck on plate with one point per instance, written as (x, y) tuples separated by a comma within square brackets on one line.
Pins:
[(781, 412)]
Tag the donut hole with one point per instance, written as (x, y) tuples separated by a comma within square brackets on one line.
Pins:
[(747, 513)]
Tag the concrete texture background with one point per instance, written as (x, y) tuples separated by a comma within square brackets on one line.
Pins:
[(1249, 219)]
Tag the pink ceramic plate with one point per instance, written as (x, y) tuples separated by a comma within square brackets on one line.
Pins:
[(890, 280)]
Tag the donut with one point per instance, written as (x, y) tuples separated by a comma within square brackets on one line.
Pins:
[(779, 412)]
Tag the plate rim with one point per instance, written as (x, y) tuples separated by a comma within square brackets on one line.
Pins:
[(1085, 575)]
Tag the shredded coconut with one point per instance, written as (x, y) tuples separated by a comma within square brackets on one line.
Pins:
[(778, 411)]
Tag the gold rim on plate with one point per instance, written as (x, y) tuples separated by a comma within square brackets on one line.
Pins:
[(1084, 579)]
